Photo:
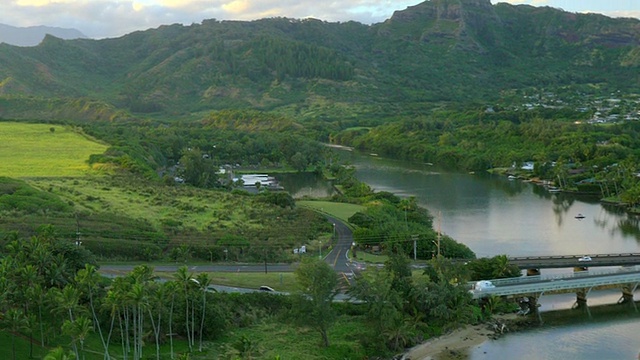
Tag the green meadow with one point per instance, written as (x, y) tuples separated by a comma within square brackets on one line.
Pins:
[(341, 211), (35, 150)]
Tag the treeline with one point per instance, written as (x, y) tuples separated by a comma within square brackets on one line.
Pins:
[(295, 59), (244, 138), (53, 296), (480, 140)]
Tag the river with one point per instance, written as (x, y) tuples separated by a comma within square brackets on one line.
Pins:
[(494, 215)]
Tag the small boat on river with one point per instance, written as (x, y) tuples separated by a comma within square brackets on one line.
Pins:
[(580, 216)]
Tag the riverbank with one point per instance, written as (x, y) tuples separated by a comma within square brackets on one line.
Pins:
[(456, 344)]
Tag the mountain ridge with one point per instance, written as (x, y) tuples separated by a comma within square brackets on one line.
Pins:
[(33, 35), (438, 50)]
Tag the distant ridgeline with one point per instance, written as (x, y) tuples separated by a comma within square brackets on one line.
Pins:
[(436, 51), (33, 35)]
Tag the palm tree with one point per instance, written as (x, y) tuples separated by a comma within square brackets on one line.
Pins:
[(138, 300), (78, 330), (172, 287), (36, 294), (57, 272), (14, 321), (67, 300), (27, 277), (158, 296), (119, 308), (111, 303), (59, 354), (501, 268), (203, 282), (185, 279), (88, 279)]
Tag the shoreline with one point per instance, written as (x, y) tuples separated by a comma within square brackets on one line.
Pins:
[(456, 344)]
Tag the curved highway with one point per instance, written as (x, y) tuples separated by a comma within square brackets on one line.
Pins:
[(338, 257)]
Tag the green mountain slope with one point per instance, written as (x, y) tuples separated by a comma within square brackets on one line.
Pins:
[(439, 50)]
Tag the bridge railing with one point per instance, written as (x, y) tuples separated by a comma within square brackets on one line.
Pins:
[(567, 284), (572, 256), (574, 275)]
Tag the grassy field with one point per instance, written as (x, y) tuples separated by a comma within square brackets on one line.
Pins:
[(340, 211), (34, 150), (93, 349), (267, 340), (279, 281), (179, 207), (277, 340)]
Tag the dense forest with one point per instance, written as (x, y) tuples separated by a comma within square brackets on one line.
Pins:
[(135, 316), (437, 51)]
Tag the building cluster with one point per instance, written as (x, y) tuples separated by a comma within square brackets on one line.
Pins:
[(612, 108)]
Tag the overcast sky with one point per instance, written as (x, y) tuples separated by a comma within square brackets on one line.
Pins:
[(112, 18)]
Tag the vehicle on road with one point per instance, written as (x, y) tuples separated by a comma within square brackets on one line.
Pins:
[(266, 288), (484, 285), (585, 258)]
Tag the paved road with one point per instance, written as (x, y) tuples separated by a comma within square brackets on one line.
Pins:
[(337, 258), (108, 268), (543, 262)]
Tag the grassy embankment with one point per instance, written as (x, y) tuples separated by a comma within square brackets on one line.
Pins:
[(124, 218), (112, 211), (35, 150)]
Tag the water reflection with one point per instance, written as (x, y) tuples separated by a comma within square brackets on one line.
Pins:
[(493, 215), (630, 226), (301, 185), (603, 332)]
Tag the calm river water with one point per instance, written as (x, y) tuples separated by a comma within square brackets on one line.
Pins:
[(493, 215)]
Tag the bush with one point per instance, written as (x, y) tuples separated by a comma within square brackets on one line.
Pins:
[(17, 195)]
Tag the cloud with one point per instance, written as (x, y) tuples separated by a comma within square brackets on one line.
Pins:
[(111, 18), (529, 2), (236, 6), (41, 2), (624, 14)]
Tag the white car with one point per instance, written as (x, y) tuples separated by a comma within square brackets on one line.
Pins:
[(585, 258)]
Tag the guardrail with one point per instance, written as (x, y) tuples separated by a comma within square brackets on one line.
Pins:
[(539, 278), (545, 257), (560, 284)]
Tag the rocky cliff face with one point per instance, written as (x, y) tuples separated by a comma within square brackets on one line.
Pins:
[(456, 24)]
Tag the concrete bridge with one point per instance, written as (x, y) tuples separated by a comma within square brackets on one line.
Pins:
[(546, 262), (531, 288)]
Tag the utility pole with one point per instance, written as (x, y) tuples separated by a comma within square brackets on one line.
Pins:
[(439, 231), (415, 247), (78, 242), (265, 259), (334, 232)]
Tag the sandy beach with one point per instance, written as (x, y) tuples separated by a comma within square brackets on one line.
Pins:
[(450, 346), (454, 345)]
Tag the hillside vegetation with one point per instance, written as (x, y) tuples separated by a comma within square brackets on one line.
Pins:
[(30, 150), (436, 51)]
